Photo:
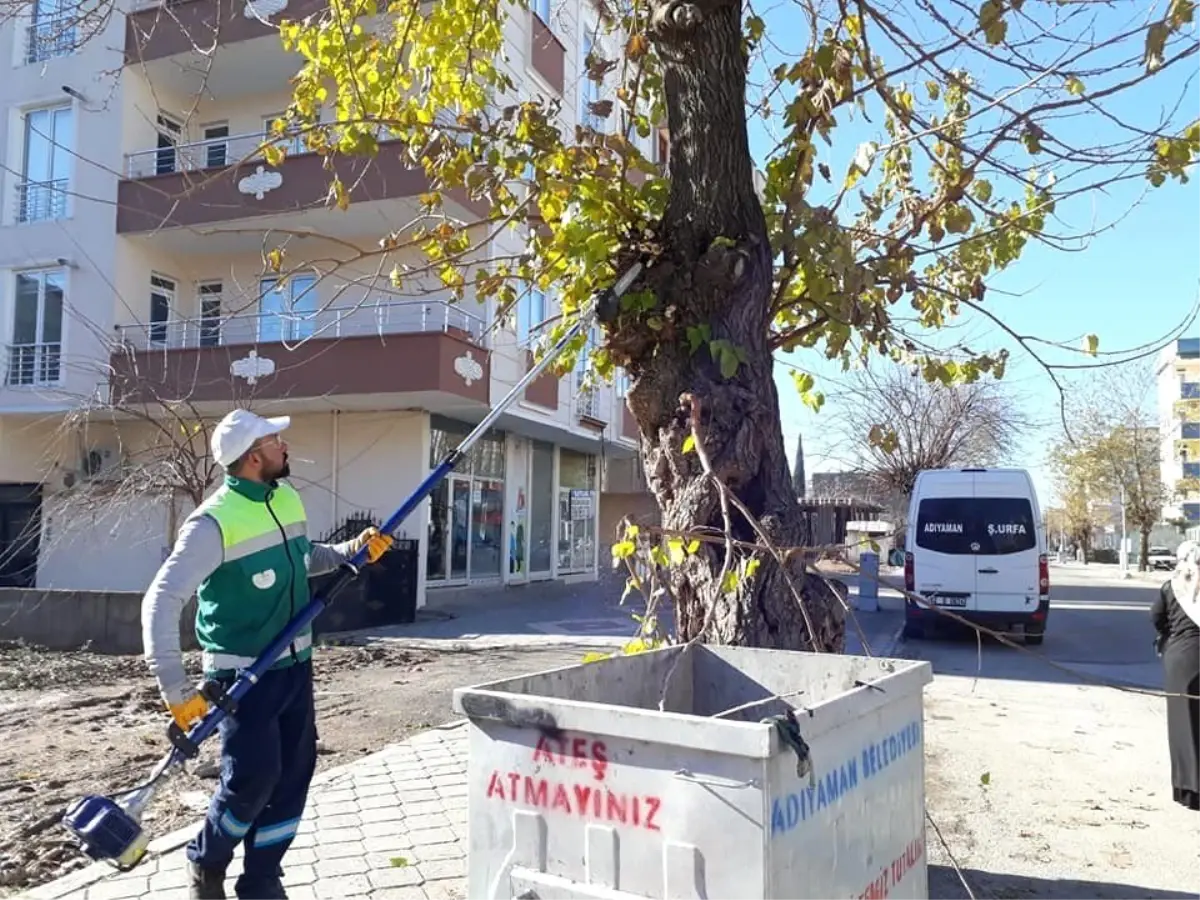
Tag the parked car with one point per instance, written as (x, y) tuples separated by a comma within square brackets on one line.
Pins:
[(977, 548), (1160, 558)]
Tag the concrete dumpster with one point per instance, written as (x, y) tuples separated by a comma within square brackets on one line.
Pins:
[(764, 773)]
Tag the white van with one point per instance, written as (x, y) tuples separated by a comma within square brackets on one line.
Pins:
[(976, 546)]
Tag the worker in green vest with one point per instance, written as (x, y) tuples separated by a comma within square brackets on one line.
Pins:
[(245, 555)]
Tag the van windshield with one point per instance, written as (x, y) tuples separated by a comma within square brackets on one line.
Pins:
[(987, 526)]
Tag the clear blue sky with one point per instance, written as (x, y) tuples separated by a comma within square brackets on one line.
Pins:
[(1129, 286)]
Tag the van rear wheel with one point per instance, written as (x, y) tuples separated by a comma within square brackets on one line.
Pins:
[(1034, 636)]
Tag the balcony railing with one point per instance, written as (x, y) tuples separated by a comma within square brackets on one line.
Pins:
[(588, 405), (40, 201), (369, 318), (208, 154), (1187, 449), (32, 365), (214, 153), (57, 36)]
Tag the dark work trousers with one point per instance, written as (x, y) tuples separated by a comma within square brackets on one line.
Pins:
[(268, 756)]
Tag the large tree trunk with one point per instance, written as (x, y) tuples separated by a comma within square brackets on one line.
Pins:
[(727, 287), (1144, 555)]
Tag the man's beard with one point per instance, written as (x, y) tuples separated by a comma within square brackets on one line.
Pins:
[(282, 472)]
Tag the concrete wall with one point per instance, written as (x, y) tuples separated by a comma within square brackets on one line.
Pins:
[(110, 622)]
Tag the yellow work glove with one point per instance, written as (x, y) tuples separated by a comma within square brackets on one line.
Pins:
[(188, 711), (376, 543)]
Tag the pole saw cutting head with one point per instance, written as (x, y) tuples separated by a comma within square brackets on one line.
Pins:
[(109, 829)]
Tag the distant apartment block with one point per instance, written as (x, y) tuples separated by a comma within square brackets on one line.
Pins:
[(135, 209), (1178, 375)]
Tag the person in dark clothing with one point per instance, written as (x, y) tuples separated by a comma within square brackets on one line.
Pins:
[(1176, 615)]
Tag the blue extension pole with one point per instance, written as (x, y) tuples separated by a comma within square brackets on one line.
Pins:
[(186, 746)]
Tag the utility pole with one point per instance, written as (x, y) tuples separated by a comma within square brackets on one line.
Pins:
[(1124, 546)]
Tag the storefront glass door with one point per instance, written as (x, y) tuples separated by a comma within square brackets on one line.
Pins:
[(541, 510), (466, 524), (459, 527)]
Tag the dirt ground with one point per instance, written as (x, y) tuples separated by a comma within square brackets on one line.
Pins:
[(81, 723)]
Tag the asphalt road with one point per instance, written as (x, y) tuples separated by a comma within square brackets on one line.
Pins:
[(1043, 783), (1099, 626)]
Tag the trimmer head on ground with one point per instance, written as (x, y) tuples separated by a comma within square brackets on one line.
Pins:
[(107, 831)]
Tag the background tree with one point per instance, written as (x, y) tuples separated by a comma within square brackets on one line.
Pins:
[(889, 423), (1114, 446), (1075, 488)]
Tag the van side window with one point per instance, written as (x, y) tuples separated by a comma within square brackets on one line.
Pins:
[(986, 526)]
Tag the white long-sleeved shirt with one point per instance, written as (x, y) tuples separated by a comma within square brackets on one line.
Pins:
[(197, 553)]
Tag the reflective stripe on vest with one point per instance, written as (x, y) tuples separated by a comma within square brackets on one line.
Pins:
[(219, 662)]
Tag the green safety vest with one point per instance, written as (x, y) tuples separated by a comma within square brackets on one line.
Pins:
[(262, 581)]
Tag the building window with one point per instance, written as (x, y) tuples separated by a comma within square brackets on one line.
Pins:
[(210, 313), (1190, 431), (622, 383), (1191, 470), (216, 146), (167, 145), (287, 312), (466, 520), (51, 31), (35, 354), (576, 511), (1191, 512), (589, 89), (1189, 390), (45, 176), (531, 316), (293, 143), (162, 301)]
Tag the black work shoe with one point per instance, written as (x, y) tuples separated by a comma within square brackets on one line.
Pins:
[(261, 890), (205, 884)]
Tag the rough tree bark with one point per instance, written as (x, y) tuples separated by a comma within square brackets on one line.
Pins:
[(725, 285)]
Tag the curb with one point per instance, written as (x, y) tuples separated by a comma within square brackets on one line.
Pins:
[(894, 642)]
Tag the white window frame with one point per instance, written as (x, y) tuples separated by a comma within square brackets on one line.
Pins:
[(293, 145), (61, 31), (56, 184), (205, 293), (43, 274), (532, 307), (167, 287)]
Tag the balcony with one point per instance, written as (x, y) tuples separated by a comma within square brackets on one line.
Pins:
[(226, 48), (589, 409), (425, 354), (1187, 410), (41, 201), (227, 180), (33, 365)]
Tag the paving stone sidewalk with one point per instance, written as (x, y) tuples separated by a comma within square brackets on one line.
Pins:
[(390, 826)]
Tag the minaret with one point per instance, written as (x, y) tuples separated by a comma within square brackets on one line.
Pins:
[(798, 468)]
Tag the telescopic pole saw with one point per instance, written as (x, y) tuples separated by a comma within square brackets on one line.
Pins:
[(109, 828)]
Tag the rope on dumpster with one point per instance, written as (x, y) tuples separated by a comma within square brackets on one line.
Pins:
[(789, 732)]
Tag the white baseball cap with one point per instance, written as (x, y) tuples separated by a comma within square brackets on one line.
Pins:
[(237, 432)]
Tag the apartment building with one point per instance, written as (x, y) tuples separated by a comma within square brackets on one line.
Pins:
[(1178, 375), (132, 285)]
